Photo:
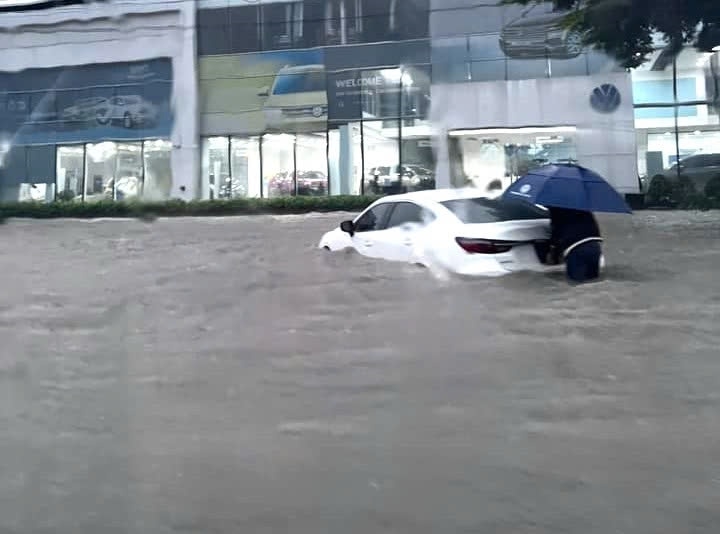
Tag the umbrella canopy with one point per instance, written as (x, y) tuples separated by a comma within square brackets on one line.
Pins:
[(567, 186)]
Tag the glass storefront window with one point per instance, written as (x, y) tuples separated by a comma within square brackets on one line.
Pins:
[(278, 157), (157, 183), (216, 167), (382, 158), (343, 21), (70, 172), (100, 164), (12, 171), (700, 164), (698, 151), (491, 159), (345, 159), (39, 183), (450, 60), (382, 98), (245, 167), (33, 192), (311, 164), (573, 66), (282, 25), (676, 119), (127, 182), (418, 158)]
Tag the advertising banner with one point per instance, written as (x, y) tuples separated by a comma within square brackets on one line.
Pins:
[(349, 90), (264, 92), (303, 90), (364, 83), (87, 103)]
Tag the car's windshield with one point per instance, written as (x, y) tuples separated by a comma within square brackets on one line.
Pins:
[(488, 210), (299, 83)]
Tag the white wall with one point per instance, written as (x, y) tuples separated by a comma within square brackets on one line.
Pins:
[(605, 142), (117, 31)]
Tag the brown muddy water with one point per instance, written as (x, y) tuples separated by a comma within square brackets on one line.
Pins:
[(204, 376)]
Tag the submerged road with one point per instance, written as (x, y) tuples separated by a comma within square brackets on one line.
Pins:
[(203, 376)]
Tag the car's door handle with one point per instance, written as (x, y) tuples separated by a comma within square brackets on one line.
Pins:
[(367, 243), (408, 242)]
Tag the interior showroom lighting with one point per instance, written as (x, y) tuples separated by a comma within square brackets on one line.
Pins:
[(490, 131)]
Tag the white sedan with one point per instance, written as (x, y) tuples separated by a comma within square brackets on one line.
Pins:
[(456, 230)]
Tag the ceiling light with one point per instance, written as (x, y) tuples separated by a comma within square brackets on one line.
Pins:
[(530, 130)]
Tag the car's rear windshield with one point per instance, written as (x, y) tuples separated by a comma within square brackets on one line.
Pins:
[(489, 210)]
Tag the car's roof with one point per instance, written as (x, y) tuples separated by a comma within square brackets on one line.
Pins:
[(438, 195), (301, 68)]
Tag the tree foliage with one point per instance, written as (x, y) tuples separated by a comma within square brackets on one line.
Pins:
[(628, 29)]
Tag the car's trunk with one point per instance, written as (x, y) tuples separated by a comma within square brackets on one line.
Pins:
[(531, 231)]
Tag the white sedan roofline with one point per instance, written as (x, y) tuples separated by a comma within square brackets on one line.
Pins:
[(437, 195)]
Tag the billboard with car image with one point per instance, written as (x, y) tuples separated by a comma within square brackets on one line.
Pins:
[(87, 103), (276, 91)]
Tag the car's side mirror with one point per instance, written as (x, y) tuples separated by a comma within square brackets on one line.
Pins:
[(348, 227), (264, 91)]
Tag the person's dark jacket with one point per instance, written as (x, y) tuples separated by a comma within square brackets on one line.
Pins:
[(569, 227)]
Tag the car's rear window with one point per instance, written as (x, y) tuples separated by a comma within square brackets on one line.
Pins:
[(489, 210)]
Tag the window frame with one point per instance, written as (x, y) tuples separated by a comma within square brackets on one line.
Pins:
[(383, 219), (423, 212)]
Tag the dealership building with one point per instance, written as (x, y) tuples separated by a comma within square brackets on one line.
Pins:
[(230, 98), (94, 100)]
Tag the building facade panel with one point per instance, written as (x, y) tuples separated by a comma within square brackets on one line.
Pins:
[(225, 98), (343, 112), (100, 85)]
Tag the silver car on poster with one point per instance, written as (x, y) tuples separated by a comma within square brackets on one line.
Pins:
[(85, 109), (128, 110)]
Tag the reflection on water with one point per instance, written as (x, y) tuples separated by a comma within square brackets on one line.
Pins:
[(212, 375)]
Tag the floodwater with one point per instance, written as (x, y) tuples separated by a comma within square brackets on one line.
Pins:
[(204, 376)]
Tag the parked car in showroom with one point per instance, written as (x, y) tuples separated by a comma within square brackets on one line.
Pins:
[(391, 179), (459, 231), (309, 183), (699, 172)]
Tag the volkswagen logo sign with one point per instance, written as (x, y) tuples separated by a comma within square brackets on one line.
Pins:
[(317, 111), (526, 188), (605, 99)]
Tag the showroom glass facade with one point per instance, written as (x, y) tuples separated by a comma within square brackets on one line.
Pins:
[(87, 132), (87, 172), (677, 104), (346, 115), (388, 147)]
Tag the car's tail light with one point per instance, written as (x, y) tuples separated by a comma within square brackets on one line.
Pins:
[(483, 246)]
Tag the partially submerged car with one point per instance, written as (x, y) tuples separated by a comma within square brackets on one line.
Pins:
[(458, 230)]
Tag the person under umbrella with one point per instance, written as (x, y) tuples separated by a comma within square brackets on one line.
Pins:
[(575, 239), (571, 193)]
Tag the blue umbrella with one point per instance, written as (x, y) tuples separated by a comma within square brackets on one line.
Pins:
[(567, 186)]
